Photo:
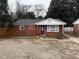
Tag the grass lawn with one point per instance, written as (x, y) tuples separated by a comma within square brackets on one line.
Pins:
[(38, 49)]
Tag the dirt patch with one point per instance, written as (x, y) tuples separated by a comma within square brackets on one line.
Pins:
[(38, 49)]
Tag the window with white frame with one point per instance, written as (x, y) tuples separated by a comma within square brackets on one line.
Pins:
[(22, 27), (53, 28)]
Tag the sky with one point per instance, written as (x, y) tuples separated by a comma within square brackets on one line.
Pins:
[(45, 3)]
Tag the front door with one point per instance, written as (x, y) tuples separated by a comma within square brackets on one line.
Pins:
[(43, 29)]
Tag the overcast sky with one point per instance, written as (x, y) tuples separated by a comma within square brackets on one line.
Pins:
[(46, 3)]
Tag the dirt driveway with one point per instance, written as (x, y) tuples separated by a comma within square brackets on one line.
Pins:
[(38, 49)]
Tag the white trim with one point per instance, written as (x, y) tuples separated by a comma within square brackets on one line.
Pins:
[(22, 27)]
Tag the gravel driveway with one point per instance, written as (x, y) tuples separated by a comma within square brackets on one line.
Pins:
[(38, 49)]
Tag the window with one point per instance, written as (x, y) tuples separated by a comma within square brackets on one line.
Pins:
[(22, 27), (53, 28)]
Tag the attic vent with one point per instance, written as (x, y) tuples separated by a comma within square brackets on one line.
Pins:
[(49, 20)]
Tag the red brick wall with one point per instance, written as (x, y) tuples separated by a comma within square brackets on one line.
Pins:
[(51, 34), (55, 33), (75, 29), (33, 30), (30, 30)]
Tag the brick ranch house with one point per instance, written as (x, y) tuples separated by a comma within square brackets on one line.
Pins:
[(30, 27), (76, 27)]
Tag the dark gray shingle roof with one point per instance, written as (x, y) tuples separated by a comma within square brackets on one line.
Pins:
[(26, 22)]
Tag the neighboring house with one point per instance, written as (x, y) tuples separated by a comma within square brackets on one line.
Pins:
[(76, 27), (30, 27)]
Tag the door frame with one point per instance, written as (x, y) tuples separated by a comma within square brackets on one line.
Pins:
[(43, 29)]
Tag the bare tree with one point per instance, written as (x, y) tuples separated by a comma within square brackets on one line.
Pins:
[(38, 9), (21, 9)]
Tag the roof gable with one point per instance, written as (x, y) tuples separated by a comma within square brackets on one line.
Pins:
[(50, 21), (76, 22), (26, 22)]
